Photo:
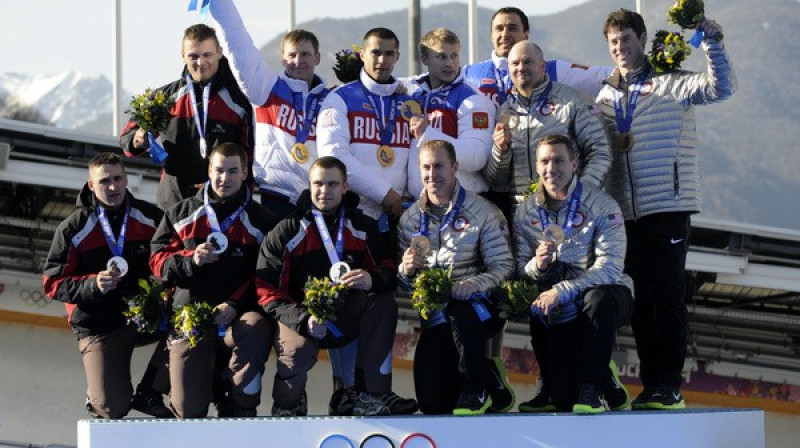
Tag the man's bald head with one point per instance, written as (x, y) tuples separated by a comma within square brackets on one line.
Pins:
[(527, 66)]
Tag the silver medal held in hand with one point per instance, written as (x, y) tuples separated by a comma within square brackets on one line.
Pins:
[(554, 234), (117, 264), (218, 241), (338, 270)]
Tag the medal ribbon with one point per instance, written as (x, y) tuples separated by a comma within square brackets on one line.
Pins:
[(312, 106), (448, 219), (501, 75), (624, 119), (572, 210), (441, 92), (386, 130), (201, 127), (211, 214), (117, 245), (334, 254)]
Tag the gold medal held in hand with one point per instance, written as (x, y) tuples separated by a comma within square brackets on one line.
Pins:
[(300, 153), (421, 244), (623, 142), (410, 109), (554, 234), (385, 155)]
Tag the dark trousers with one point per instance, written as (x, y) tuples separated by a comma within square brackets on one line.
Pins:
[(656, 260), (579, 351), (450, 357)]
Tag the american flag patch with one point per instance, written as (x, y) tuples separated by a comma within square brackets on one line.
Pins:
[(485, 81)]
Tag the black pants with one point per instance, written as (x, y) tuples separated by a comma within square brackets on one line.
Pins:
[(450, 357), (656, 260), (578, 351)]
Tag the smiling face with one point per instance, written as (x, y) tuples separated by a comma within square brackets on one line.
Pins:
[(526, 66), (328, 187), (108, 183), (555, 169), (226, 174), (438, 173), (201, 58), (507, 30), (627, 50), (299, 60)]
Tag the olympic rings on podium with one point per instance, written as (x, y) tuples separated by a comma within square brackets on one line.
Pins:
[(32, 298), (378, 440)]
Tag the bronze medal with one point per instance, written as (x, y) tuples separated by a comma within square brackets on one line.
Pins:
[(421, 244), (300, 153), (623, 142), (554, 234), (509, 118), (385, 155)]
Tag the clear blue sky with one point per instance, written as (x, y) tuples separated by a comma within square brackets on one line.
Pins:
[(49, 37)]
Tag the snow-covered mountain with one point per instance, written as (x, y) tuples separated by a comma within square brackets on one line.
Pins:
[(69, 100)]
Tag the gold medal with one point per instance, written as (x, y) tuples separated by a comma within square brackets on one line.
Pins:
[(300, 153), (554, 234), (421, 244), (623, 142), (410, 109), (385, 155)]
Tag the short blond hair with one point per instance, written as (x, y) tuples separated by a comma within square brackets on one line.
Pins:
[(434, 36)]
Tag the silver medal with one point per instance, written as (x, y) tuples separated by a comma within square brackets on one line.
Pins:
[(219, 241), (117, 264), (338, 270), (203, 147)]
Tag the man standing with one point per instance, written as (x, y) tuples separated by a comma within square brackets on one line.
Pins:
[(286, 106), (491, 77), (453, 228), (328, 237), (654, 176), (98, 256), (209, 110), (536, 107), (570, 240), (207, 245), (361, 124), (450, 110)]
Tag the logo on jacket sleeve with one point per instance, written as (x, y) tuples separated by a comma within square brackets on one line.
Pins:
[(480, 120)]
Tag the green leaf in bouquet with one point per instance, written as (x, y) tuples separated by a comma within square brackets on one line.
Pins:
[(432, 289), (323, 298), (145, 308), (192, 320), (519, 295)]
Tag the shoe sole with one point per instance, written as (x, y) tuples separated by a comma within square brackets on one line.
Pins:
[(461, 412), (501, 369), (655, 406), (586, 409), (530, 410), (615, 374)]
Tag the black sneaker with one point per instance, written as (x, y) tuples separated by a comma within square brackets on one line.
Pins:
[(150, 403), (542, 402), (641, 400), (497, 383), (664, 398), (368, 404), (342, 401), (471, 403), (615, 393), (301, 410), (590, 401), (225, 407), (398, 405)]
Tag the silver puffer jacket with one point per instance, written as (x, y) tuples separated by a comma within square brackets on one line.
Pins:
[(476, 244), (660, 173), (565, 113), (592, 254)]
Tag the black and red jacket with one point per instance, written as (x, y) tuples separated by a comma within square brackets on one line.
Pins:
[(229, 120), (79, 251), (229, 279), (293, 251)]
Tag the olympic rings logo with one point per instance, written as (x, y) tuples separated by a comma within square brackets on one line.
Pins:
[(32, 298), (376, 440)]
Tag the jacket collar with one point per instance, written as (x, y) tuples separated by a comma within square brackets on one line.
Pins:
[(378, 89)]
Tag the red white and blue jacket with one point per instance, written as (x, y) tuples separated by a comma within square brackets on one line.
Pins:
[(456, 113), (347, 129), (230, 279), (293, 251), (491, 77), (79, 251), (275, 167)]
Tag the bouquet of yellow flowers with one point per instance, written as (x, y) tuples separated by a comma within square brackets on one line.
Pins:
[(323, 298), (348, 64), (668, 51), (686, 13), (192, 321), (519, 295), (432, 289), (151, 110), (145, 308)]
